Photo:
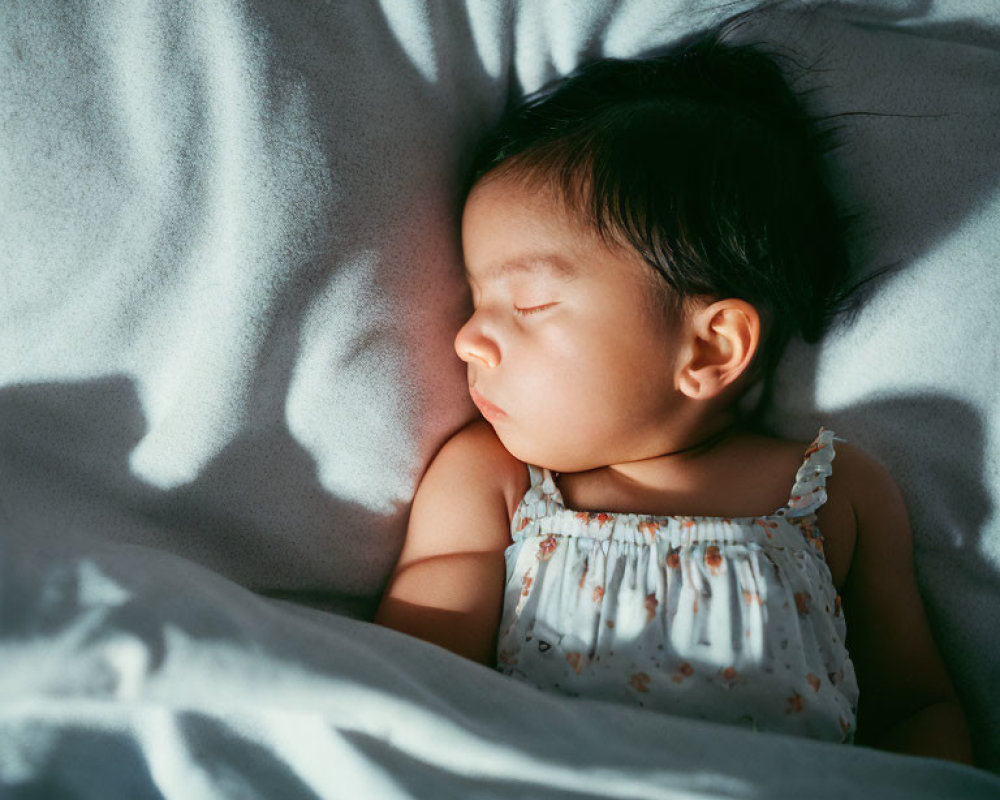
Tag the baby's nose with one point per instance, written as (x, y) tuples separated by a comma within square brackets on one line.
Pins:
[(472, 344)]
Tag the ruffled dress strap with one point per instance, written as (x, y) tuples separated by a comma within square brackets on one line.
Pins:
[(809, 492), (540, 499), (543, 484)]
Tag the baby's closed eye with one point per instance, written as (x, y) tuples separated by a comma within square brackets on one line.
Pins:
[(533, 309)]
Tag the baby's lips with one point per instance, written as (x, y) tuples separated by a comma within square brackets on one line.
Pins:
[(489, 411)]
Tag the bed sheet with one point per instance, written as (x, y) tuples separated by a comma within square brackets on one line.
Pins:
[(229, 280)]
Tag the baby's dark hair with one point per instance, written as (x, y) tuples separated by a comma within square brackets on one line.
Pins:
[(704, 162)]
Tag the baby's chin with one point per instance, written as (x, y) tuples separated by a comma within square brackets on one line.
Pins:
[(556, 456)]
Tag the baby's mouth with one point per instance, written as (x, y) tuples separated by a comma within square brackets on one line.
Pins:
[(489, 411)]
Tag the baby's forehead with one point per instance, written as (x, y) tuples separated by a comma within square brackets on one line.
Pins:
[(543, 263)]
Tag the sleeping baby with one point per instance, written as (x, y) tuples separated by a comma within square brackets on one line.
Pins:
[(642, 239)]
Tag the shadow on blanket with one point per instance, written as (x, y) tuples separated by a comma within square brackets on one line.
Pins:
[(65, 448)]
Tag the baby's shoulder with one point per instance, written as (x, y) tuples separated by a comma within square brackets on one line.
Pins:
[(863, 477), (858, 477), (476, 460), (860, 491)]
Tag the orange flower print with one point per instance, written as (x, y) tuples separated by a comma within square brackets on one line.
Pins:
[(685, 670), (639, 681), (794, 703), (583, 576), (687, 522), (730, 677), (651, 604), (811, 535), (713, 559), (649, 528), (588, 516), (815, 447), (837, 606), (526, 582), (524, 523), (577, 661), (802, 602), (767, 525), (801, 501), (752, 597), (673, 560), (547, 547), (598, 595), (813, 681), (845, 726)]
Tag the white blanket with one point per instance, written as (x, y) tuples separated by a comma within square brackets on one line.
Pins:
[(229, 278)]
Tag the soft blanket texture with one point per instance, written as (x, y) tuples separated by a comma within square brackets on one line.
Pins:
[(229, 278)]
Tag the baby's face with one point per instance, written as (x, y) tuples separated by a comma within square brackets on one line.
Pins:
[(569, 358)]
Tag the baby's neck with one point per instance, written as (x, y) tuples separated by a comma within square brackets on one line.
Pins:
[(727, 471), (704, 444), (678, 455)]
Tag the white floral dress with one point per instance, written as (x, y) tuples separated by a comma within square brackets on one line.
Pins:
[(731, 620)]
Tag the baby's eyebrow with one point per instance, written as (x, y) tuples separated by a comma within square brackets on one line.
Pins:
[(544, 262)]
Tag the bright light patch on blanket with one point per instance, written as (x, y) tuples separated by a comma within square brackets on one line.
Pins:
[(486, 19), (348, 392), (411, 26)]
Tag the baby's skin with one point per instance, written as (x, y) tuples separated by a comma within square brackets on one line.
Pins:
[(576, 366)]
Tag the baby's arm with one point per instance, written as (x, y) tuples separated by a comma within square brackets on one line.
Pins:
[(908, 703), (448, 585)]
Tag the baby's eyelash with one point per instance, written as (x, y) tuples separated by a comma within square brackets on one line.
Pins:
[(523, 312)]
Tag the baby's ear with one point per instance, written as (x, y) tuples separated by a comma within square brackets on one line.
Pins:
[(723, 339)]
